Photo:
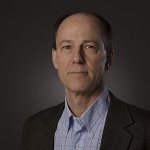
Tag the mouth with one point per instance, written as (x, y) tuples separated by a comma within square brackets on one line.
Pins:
[(78, 73)]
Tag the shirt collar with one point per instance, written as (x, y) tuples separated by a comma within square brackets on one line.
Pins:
[(91, 115)]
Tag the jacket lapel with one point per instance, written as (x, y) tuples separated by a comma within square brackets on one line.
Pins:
[(45, 139), (115, 136)]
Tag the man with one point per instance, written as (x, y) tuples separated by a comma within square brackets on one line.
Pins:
[(91, 118)]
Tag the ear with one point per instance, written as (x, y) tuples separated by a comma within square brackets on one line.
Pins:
[(109, 56), (54, 58)]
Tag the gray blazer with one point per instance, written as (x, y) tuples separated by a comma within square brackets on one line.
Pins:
[(127, 128)]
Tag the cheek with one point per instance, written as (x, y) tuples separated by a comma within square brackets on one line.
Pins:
[(98, 63), (61, 61), (62, 66), (101, 63), (97, 67)]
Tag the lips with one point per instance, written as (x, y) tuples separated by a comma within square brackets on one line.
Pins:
[(78, 72)]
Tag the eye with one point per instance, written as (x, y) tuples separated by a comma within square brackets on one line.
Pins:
[(66, 47), (90, 47)]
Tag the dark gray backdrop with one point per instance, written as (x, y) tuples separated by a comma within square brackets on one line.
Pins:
[(29, 82)]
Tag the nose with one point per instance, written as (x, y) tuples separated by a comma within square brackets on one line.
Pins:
[(78, 56)]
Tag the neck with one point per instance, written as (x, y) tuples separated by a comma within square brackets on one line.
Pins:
[(79, 103)]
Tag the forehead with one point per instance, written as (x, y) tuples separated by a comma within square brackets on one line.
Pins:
[(79, 26)]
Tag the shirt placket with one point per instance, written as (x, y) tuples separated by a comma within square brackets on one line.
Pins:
[(77, 134)]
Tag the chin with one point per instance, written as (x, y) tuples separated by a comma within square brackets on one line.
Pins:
[(79, 88)]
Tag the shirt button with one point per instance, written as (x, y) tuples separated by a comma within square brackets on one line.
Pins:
[(92, 132), (74, 119), (78, 145), (66, 131)]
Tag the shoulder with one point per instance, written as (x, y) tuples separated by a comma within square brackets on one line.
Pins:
[(134, 120), (46, 115), (137, 113), (40, 124)]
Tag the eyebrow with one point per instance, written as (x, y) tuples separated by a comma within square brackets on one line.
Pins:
[(67, 41), (91, 40), (84, 41)]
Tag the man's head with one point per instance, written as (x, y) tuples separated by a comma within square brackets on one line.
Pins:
[(80, 55), (106, 31)]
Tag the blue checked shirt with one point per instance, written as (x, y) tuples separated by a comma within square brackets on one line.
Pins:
[(84, 133)]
